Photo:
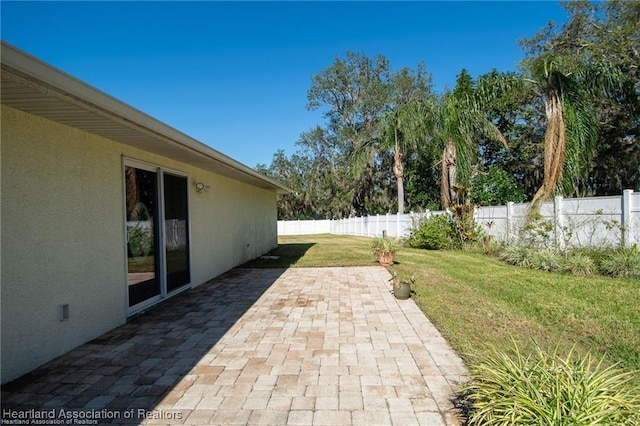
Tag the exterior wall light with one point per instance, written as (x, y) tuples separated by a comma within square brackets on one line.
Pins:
[(201, 187)]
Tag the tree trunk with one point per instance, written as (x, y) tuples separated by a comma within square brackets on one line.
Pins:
[(398, 171), (554, 151), (448, 194), (400, 195)]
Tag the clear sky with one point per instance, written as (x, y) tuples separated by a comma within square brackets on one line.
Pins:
[(235, 75)]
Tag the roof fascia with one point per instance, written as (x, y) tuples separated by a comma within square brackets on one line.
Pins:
[(63, 85)]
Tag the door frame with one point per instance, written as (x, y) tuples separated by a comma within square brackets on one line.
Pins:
[(161, 264)]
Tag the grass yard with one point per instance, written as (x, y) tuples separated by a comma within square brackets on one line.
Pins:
[(318, 251), (475, 300)]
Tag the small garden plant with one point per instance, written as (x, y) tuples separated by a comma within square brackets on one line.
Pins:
[(385, 249), (616, 263), (384, 245), (544, 388)]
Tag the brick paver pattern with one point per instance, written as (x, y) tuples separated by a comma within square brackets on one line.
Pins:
[(308, 346)]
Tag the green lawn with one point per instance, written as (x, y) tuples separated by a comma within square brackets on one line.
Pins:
[(475, 300)]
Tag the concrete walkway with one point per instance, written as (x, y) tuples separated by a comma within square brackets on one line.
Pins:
[(321, 346)]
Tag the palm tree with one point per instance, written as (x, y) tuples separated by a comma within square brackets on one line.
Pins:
[(458, 122), (571, 123), (403, 134), (394, 137), (401, 124), (566, 115)]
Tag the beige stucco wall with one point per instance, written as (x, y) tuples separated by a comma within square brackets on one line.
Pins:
[(62, 238)]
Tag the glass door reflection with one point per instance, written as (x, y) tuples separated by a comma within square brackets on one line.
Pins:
[(176, 233), (142, 235)]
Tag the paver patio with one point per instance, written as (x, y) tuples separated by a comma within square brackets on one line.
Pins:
[(308, 346)]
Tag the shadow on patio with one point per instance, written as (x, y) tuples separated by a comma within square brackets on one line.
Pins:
[(283, 256), (130, 370)]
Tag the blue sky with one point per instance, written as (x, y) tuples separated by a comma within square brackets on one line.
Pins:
[(235, 75)]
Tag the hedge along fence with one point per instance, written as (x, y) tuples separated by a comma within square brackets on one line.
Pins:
[(564, 222)]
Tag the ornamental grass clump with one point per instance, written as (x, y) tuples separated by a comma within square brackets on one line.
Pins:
[(622, 263), (534, 258), (545, 260), (579, 264), (548, 389), (518, 255)]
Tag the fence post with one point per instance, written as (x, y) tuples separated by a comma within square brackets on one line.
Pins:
[(558, 222), (509, 221), (398, 225), (626, 217), (377, 224), (386, 227), (412, 223)]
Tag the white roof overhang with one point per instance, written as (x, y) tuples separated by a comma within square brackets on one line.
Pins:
[(31, 85)]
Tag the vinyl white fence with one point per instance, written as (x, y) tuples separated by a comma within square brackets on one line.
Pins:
[(595, 221)]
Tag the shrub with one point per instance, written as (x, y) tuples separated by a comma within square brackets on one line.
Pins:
[(467, 230), (545, 260), (528, 257), (579, 264), (619, 263), (491, 247), (434, 233), (622, 263), (517, 255), (545, 388), (596, 254), (538, 232)]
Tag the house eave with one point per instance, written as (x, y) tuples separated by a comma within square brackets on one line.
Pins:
[(33, 86)]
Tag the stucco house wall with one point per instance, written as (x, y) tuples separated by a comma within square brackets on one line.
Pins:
[(63, 234)]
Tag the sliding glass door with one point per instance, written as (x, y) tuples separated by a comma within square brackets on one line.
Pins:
[(176, 221), (157, 231), (142, 235)]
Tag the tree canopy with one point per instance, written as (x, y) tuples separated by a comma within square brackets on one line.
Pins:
[(566, 123)]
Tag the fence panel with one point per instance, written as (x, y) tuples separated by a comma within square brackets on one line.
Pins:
[(494, 221), (304, 227), (594, 221)]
